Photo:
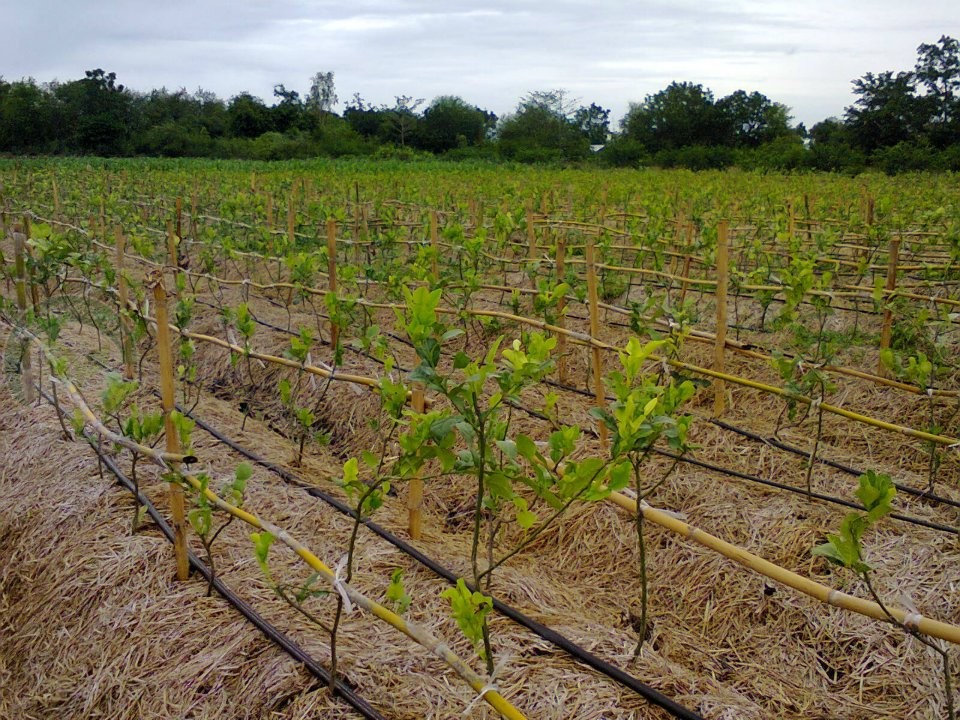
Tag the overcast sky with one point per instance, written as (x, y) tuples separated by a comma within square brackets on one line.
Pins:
[(803, 53)]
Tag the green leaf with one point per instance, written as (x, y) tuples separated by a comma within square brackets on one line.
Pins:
[(876, 492), (470, 610), (261, 549), (396, 592), (243, 472)]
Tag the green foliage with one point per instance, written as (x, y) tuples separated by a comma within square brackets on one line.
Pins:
[(115, 395), (876, 492), (397, 594), (470, 610), (261, 550)]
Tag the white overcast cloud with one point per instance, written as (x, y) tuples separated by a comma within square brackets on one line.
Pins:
[(802, 53)]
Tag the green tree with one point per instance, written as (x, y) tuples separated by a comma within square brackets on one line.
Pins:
[(594, 123), (938, 72), (27, 117), (365, 119), (542, 130), (832, 147), (681, 115), (248, 117), (887, 110), (96, 114), (451, 122), (752, 119), (288, 113)]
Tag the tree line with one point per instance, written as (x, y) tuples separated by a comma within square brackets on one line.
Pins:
[(898, 121)]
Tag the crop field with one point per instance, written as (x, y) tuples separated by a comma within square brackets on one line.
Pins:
[(433, 441)]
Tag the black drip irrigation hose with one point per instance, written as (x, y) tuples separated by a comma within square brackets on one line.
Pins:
[(802, 491), (650, 694), (909, 490), (922, 494), (770, 483), (271, 632)]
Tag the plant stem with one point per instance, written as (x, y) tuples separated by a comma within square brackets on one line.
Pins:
[(942, 652)]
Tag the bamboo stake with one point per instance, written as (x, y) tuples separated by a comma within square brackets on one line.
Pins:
[(56, 199), (685, 281), (599, 390), (193, 215), (824, 594), (34, 293), (125, 346), (719, 387), (167, 402), (435, 244), (26, 362), (415, 496), (179, 212), (291, 222), (172, 239), (421, 635), (561, 271), (886, 330), (332, 273), (531, 242)]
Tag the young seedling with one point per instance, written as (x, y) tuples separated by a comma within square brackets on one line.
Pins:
[(646, 408), (845, 549), (512, 476), (201, 517), (304, 418), (243, 322)]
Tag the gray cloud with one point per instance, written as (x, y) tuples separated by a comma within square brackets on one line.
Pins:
[(491, 53)]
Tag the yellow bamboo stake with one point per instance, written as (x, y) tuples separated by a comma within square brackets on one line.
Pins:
[(583, 339), (168, 404), (531, 243), (26, 362), (886, 330), (415, 496), (172, 239), (125, 346), (179, 215), (824, 594), (685, 281), (332, 274), (561, 270), (435, 244), (421, 635), (56, 199), (291, 221), (599, 390), (193, 215), (531, 235), (34, 293), (719, 387)]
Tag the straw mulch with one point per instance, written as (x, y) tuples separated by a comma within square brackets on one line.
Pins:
[(95, 626)]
